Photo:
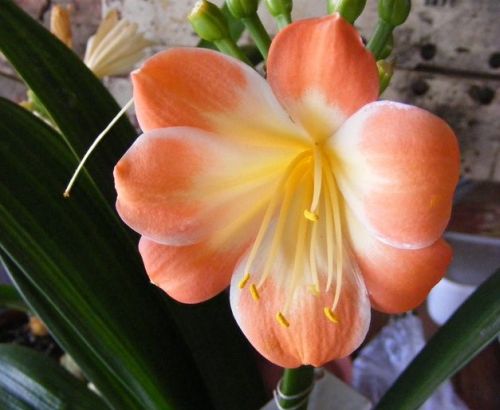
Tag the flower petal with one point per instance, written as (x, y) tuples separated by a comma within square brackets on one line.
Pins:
[(397, 280), (310, 338), (178, 185), (322, 73), (208, 90), (194, 273), (397, 166)]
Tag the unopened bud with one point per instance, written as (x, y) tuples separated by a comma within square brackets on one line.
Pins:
[(394, 12), (350, 10), (208, 21), (241, 9)]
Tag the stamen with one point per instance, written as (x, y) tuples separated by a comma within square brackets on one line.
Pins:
[(334, 202), (254, 292), (282, 320), (330, 245), (94, 145), (244, 281), (298, 263), (332, 317), (312, 259), (318, 171), (270, 209), (295, 176), (313, 289)]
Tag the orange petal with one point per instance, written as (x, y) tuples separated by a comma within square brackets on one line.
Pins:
[(177, 186), (398, 280), (208, 90), (190, 274), (397, 167), (322, 73), (310, 337)]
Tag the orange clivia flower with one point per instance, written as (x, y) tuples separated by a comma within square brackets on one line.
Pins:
[(314, 200)]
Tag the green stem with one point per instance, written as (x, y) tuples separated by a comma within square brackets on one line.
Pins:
[(229, 47), (295, 382), (379, 39), (283, 20), (258, 33)]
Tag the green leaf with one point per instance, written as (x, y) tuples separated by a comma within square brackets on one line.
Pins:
[(29, 380), (223, 355), (473, 326), (79, 261), (75, 99), (10, 298)]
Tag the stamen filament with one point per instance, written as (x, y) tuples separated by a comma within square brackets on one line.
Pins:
[(318, 167), (333, 190), (270, 209), (94, 145), (280, 226), (330, 245), (312, 258), (298, 262)]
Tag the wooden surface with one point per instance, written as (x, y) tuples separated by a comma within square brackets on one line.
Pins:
[(447, 59)]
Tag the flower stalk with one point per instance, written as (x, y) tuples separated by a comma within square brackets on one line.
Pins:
[(246, 11), (295, 387), (350, 10), (281, 10)]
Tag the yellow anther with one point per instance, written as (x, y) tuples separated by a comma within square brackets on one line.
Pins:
[(332, 317), (244, 281), (311, 216), (254, 292), (282, 320), (313, 289)]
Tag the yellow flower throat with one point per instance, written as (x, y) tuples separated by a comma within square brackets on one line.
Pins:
[(309, 175)]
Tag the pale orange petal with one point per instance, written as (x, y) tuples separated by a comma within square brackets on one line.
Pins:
[(310, 338), (177, 186), (322, 73), (208, 90), (397, 167), (398, 280), (190, 274)]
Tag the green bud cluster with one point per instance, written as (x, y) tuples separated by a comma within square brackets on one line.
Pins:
[(350, 10)]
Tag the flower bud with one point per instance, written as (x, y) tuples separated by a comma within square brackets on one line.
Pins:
[(242, 8), (279, 7), (208, 21), (350, 10), (394, 12)]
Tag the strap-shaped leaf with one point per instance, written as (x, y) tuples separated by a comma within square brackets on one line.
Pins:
[(462, 337), (30, 380), (10, 298), (75, 99), (79, 261)]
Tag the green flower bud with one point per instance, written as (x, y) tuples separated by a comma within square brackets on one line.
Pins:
[(242, 8), (350, 10), (394, 12), (279, 7), (385, 71), (388, 47), (208, 21)]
